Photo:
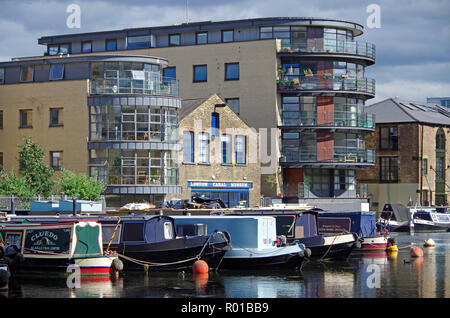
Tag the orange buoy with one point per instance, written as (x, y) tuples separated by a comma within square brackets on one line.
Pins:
[(200, 266), (201, 280), (416, 252)]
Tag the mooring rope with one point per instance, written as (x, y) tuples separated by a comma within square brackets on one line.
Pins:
[(114, 233)]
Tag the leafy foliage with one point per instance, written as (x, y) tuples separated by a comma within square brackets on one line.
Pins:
[(10, 184), (80, 186)]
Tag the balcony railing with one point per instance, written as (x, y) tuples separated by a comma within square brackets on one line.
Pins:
[(332, 119), (343, 155), (133, 86), (328, 83), (306, 190), (331, 46)]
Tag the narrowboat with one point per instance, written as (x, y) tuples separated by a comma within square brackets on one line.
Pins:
[(430, 219), (394, 218), (150, 242), (363, 223), (55, 247), (296, 225), (253, 240)]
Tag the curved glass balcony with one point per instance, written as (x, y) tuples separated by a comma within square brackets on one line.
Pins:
[(133, 86), (364, 49), (335, 119), (324, 82), (341, 155)]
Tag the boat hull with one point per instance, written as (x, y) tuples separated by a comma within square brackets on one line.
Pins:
[(373, 244), (290, 256), (327, 247), (174, 255), (427, 226)]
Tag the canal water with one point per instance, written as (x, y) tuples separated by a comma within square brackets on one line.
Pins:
[(363, 275)]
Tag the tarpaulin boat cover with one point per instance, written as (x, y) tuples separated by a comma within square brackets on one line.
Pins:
[(400, 212), (360, 222)]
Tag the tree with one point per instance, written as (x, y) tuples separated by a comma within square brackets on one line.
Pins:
[(80, 186), (34, 171), (10, 184)]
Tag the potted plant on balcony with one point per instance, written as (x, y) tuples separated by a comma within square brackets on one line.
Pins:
[(344, 75), (308, 72)]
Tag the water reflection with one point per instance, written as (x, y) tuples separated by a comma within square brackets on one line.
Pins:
[(363, 275)]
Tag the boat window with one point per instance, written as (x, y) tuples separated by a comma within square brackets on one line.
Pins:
[(14, 238), (108, 232), (168, 230), (133, 232), (285, 225)]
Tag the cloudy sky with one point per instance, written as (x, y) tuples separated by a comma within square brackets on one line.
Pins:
[(412, 43)]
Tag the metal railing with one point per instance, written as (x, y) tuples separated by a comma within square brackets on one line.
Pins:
[(333, 119), (133, 86), (335, 155), (331, 46), (305, 190), (327, 82)]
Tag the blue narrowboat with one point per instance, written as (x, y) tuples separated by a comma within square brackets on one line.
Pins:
[(253, 240)]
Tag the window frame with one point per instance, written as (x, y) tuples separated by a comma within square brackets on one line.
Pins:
[(239, 154), (82, 46), (189, 154), (227, 77), (22, 71), (232, 105), (391, 169), (167, 79), (58, 48), (222, 35), (61, 75), (110, 41), (194, 80), (203, 148), (56, 163), (21, 123), (174, 35), (226, 149), (391, 144), (199, 33), (2, 75), (1, 119), (59, 112)]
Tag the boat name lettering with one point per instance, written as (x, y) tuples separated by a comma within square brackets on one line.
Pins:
[(48, 234)]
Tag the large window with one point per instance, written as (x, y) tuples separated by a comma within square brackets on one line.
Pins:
[(174, 39), (241, 150), (56, 72), (227, 35), (203, 147), (388, 169), (25, 118), (26, 73), (234, 104), (226, 149), (169, 74), (231, 71), (201, 38), (56, 160), (388, 138), (139, 42), (111, 45), (56, 119), (200, 73), (55, 49), (188, 146), (2, 76), (86, 47), (292, 37)]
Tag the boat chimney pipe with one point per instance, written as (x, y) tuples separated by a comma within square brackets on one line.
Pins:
[(74, 206)]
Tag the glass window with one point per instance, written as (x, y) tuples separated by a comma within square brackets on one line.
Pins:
[(424, 166), (168, 230), (26, 73), (25, 118), (241, 150), (227, 35), (139, 42), (56, 158), (2, 75), (234, 104), (86, 47), (1, 119), (111, 45), (231, 71), (203, 147), (174, 39), (226, 149), (1, 161), (265, 33), (201, 38), (200, 73), (133, 232), (388, 138), (53, 49), (169, 74), (64, 48), (388, 169), (56, 117), (56, 72), (188, 146)]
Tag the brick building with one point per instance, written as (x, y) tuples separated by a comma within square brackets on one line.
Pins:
[(412, 142)]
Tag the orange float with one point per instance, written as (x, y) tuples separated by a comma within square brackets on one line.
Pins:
[(200, 267), (416, 252)]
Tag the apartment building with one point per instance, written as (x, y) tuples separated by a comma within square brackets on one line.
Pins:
[(300, 82), (109, 116), (412, 140)]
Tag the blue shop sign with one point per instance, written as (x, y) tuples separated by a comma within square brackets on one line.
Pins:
[(222, 185)]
